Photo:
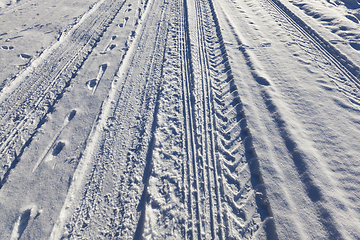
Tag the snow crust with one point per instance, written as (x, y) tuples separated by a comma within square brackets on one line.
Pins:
[(182, 119)]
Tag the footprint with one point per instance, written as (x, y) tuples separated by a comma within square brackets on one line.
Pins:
[(126, 19), (128, 9), (91, 84), (7, 47), (112, 46), (109, 46), (24, 56), (71, 115), (132, 35), (103, 68), (20, 225), (10, 39), (59, 146), (352, 18), (124, 23), (355, 45)]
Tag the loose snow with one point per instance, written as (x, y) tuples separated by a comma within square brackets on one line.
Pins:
[(181, 119)]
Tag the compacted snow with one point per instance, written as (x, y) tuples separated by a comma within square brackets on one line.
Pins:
[(179, 119)]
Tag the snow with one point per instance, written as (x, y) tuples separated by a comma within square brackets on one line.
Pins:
[(182, 119)]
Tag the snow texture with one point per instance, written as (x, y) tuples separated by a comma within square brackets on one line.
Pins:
[(179, 119)]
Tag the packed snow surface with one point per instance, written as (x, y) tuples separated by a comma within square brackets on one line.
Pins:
[(179, 119)]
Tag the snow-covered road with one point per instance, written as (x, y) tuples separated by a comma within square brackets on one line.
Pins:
[(179, 119)]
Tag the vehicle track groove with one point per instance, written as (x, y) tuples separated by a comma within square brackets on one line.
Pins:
[(237, 198), (24, 109), (123, 162), (303, 35), (343, 71), (194, 228)]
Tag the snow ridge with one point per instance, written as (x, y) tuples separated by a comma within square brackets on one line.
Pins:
[(24, 109)]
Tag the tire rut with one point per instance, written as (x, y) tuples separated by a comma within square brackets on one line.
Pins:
[(229, 178), (176, 158), (165, 213), (116, 188), (24, 109), (336, 65), (332, 63)]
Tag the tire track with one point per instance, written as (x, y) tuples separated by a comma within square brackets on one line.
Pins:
[(345, 73), (115, 192), (25, 104), (222, 195), (165, 213), (306, 42), (173, 208), (208, 142), (229, 175), (157, 174), (192, 227)]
